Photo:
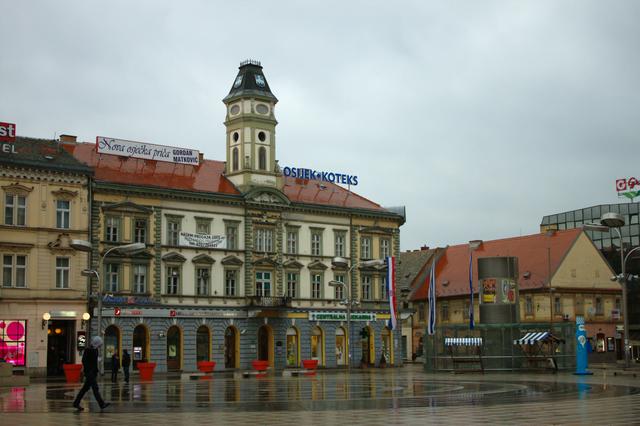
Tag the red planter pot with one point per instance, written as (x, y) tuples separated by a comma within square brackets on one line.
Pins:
[(72, 372), (146, 370), (206, 366), (310, 364), (260, 365)]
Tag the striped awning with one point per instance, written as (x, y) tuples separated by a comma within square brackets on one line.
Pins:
[(463, 341), (533, 337)]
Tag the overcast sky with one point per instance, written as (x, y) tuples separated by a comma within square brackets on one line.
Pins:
[(480, 117)]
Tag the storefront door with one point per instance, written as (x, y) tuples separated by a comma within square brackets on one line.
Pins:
[(140, 345), (341, 347), (174, 349), (59, 346), (292, 347)]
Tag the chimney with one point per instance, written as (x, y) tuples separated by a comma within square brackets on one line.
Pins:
[(424, 248), (69, 138), (200, 157)]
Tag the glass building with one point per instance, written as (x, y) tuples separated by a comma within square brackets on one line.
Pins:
[(609, 244)]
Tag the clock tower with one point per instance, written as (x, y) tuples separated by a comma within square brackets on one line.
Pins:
[(251, 135)]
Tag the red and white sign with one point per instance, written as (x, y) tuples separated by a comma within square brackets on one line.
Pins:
[(116, 312), (627, 184), (172, 313), (147, 151), (7, 132)]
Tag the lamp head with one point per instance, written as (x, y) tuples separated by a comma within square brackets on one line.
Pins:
[(340, 262), (80, 245), (612, 220)]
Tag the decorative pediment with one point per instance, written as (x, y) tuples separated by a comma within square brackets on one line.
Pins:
[(17, 189), (127, 207), (265, 261), (63, 242), (267, 196), (231, 260), (316, 264), (64, 194), (376, 230), (204, 258), (292, 264), (174, 257)]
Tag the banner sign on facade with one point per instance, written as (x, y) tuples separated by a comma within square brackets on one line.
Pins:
[(341, 316), (147, 151), (7, 132), (629, 187), (331, 177), (170, 313), (203, 240)]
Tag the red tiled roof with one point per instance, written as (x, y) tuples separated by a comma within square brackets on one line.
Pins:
[(325, 193), (206, 177), (531, 251)]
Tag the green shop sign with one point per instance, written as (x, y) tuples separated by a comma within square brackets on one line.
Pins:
[(341, 316)]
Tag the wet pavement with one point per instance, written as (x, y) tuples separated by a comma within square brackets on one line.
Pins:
[(392, 396)]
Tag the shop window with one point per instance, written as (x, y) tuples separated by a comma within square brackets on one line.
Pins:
[(366, 287), (339, 239), (231, 232), (173, 280), (385, 248), (15, 210), (62, 272), (174, 225), (112, 229), (203, 343), (202, 281), (263, 284), (365, 248), (14, 271), (230, 280), (263, 240), (140, 279), (63, 211), (292, 284), (600, 343), (13, 335), (339, 289), (316, 243), (316, 285), (140, 230), (112, 277)]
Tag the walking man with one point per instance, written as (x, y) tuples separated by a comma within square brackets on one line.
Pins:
[(90, 368), (126, 362)]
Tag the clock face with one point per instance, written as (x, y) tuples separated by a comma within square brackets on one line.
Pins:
[(238, 81), (259, 80)]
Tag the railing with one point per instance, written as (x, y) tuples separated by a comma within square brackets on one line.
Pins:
[(268, 301)]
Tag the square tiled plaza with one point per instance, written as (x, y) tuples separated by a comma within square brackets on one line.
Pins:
[(390, 396)]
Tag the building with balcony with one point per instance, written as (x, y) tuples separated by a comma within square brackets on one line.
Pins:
[(45, 204), (239, 253)]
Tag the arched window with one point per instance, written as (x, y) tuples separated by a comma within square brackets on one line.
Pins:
[(140, 345), (262, 158), (111, 344), (174, 349), (234, 159)]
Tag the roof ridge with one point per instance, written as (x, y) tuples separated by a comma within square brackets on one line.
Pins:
[(521, 237)]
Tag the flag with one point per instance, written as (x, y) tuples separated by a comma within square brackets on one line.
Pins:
[(471, 322), (391, 291), (431, 329)]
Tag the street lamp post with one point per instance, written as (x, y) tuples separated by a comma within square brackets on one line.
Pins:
[(85, 246), (614, 221), (341, 262)]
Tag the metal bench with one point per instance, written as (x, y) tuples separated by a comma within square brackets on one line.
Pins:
[(465, 351)]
